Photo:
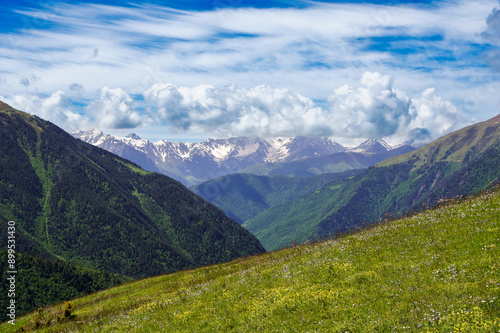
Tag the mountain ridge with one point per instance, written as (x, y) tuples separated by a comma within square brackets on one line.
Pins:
[(243, 196), (192, 163)]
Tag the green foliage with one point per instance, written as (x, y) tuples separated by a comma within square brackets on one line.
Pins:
[(437, 271), (41, 319), (243, 196), (41, 281), (134, 168), (67, 312)]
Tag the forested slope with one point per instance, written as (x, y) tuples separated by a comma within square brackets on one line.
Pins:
[(81, 204), (87, 205), (460, 163), (243, 196)]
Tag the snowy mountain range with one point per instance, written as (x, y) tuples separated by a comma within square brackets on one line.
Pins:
[(192, 163)]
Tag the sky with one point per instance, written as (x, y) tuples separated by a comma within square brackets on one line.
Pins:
[(191, 70)]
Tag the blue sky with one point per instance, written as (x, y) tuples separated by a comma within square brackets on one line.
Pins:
[(197, 69)]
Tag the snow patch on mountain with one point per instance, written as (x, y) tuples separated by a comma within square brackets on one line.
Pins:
[(221, 151), (198, 161), (248, 150), (372, 146)]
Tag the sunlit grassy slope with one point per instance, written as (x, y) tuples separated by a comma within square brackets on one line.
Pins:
[(438, 271)]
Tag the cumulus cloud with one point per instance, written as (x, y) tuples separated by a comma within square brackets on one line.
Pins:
[(492, 33), (493, 26), (371, 109), (54, 108), (114, 110), (432, 116), (259, 111), (374, 109)]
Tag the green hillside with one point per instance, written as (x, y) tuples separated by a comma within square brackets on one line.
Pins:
[(42, 278), (243, 196), (437, 271), (41, 281), (460, 163), (81, 204)]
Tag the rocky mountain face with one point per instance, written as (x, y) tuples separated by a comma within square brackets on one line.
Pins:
[(193, 163)]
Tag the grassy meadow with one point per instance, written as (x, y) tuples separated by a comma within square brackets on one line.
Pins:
[(437, 271)]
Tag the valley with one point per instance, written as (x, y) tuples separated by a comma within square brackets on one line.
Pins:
[(81, 196), (460, 163)]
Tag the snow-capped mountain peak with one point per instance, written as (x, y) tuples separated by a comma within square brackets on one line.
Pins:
[(133, 136), (198, 161), (372, 146), (411, 143)]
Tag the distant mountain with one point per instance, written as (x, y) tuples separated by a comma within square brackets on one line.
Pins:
[(459, 163), (411, 143), (85, 205), (193, 163), (372, 146), (243, 196), (301, 147), (133, 136), (333, 163)]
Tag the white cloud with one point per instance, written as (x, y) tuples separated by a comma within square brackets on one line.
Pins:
[(376, 109), (260, 111), (434, 116), (114, 110), (372, 109), (54, 108)]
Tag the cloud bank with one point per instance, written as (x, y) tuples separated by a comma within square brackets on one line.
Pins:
[(371, 109), (54, 108)]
